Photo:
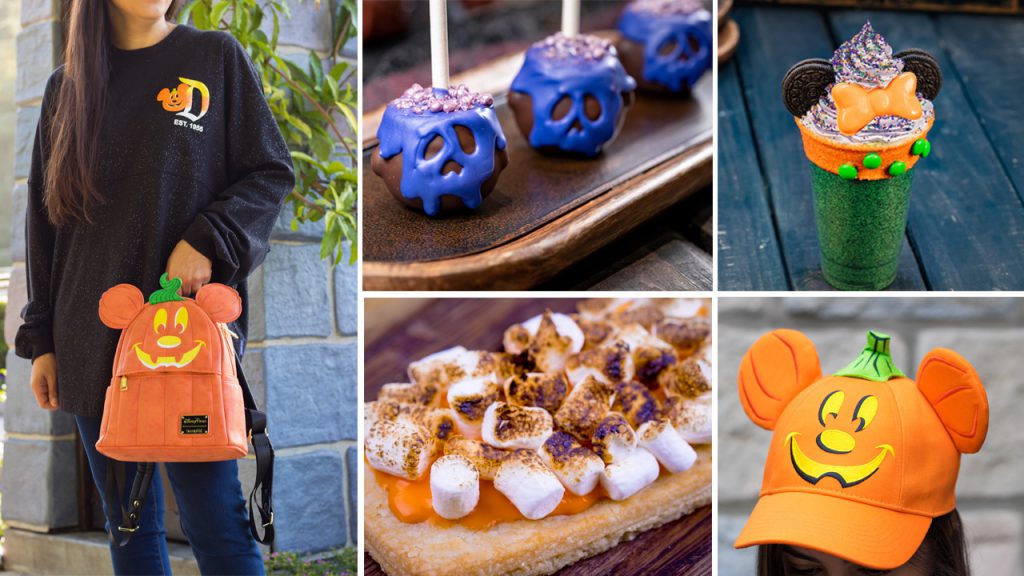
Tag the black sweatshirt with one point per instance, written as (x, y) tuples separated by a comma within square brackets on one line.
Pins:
[(212, 170)]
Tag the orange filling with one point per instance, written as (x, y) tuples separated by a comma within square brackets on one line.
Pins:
[(409, 501)]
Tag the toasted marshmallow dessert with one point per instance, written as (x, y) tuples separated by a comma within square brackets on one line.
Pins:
[(441, 424), (691, 417), (684, 334), (662, 440), (549, 339), (507, 426), (529, 484), (630, 475), (679, 307), (424, 394), (595, 332), (584, 408), (634, 401), (485, 458), (537, 389), (609, 364), (469, 400), (614, 439), (602, 308), (636, 336), (391, 410), (650, 362), (399, 447), (454, 486), (689, 378), (643, 313), (453, 365), (578, 468)]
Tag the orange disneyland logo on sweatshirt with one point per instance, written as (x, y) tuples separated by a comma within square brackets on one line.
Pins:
[(182, 100)]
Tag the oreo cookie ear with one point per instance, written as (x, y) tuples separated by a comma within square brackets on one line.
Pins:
[(926, 68), (805, 83)]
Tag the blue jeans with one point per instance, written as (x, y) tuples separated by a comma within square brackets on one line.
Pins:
[(213, 515)]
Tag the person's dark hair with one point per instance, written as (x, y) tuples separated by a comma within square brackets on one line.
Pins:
[(944, 548), (78, 111)]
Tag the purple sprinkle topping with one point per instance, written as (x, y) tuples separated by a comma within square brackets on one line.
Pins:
[(559, 46), (458, 98), (666, 7), (866, 59)]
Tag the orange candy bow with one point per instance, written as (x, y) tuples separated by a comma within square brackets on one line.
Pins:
[(857, 106)]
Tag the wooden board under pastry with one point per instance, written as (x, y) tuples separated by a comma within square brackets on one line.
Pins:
[(529, 547)]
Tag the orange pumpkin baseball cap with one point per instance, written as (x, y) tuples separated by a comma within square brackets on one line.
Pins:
[(861, 460)]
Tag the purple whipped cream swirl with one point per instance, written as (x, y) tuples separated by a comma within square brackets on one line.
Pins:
[(458, 98), (866, 59), (561, 47)]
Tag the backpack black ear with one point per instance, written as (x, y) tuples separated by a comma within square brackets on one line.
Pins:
[(926, 68), (805, 83)]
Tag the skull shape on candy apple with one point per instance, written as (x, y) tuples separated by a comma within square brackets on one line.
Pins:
[(676, 36)]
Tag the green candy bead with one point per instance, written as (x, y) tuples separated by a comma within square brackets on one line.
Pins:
[(848, 172), (897, 168), (872, 161), (922, 148)]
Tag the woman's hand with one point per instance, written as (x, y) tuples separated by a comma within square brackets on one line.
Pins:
[(192, 267), (44, 381)]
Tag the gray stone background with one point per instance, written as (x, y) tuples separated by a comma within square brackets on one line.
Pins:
[(301, 360), (988, 332)]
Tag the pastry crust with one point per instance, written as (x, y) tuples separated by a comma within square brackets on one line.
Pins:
[(528, 547)]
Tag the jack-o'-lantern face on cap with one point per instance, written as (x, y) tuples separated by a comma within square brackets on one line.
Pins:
[(861, 460), (170, 332)]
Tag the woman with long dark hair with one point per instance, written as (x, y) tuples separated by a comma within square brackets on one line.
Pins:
[(155, 153)]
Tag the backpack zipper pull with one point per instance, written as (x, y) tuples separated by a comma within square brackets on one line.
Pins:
[(124, 383)]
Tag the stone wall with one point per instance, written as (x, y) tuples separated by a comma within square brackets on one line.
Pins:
[(301, 358), (989, 332)]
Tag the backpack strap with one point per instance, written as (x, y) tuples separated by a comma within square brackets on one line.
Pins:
[(115, 489), (256, 423)]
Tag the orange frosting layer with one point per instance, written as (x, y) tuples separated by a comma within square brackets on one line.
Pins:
[(410, 502), (829, 155)]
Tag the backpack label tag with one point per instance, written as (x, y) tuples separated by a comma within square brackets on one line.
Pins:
[(195, 424)]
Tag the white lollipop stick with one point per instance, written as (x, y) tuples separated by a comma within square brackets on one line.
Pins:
[(439, 43), (571, 18)]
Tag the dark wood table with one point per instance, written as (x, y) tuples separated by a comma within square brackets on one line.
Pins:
[(966, 222), (680, 548)]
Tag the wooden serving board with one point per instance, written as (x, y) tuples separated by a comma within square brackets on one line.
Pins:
[(545, 213), (681, 548)]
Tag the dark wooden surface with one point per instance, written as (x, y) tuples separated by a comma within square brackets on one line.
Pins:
[(678, 548), (966, 222), (535, 189)]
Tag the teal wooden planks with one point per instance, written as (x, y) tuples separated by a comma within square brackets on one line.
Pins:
[(748, 252)]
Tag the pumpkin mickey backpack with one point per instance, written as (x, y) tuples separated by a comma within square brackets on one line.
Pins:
[(178, 394)]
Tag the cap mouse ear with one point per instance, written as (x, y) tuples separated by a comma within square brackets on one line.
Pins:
[(120, 304), (775, 369), (926, 68), (221, 302), (805, 83), (953, 388)]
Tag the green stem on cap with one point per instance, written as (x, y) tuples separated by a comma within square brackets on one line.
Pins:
[(874, 362), (168, 291)]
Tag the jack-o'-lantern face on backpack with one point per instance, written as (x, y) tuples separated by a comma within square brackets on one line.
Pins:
[(170, 332)]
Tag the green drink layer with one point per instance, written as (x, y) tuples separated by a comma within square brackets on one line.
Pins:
[(860, 228)]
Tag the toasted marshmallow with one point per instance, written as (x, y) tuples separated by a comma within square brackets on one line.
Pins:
[(454, 486), (634, 401), (507, 426), (683, 334), (595, 332), (679, 307), (441, 424), (485, 458), (599, 308), (424, 394), (399, 447), (584, 407), (451, 366), (390, 410), (545, 391), (577, 467), (650, 362), (469, 400), (614, 439), (690, 378), (610, 364), (636, 336), (691, 417), (530, 485), (662, 440), (641, 312), (549, 339), (630, 475)]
